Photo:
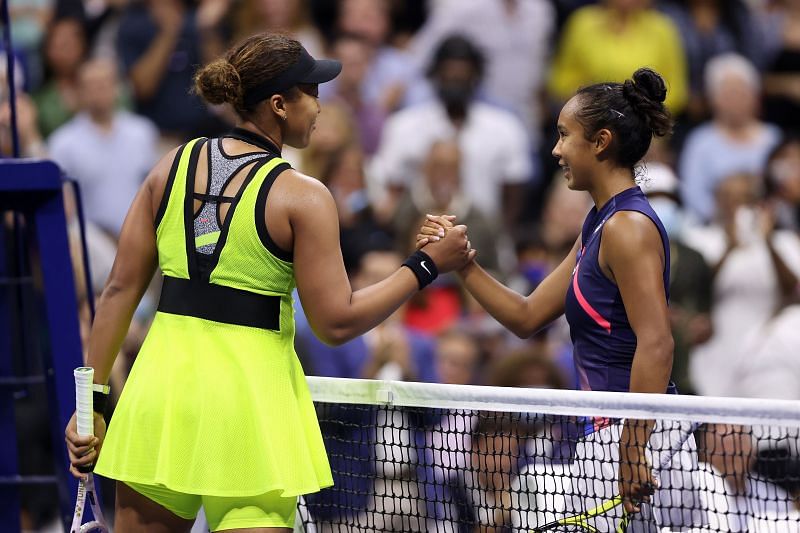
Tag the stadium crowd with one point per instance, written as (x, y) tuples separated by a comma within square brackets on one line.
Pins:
[(449, 106)]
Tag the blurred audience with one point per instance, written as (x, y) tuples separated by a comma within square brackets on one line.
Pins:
[(494, 144), (356, 54), (709, 28), (292, 16), (733, 141), (690, 276), (109, 152), (782, 76), (742, 241), (457, 357), (610, 40), (391, 80), (515, 37), (783, 182), (65, 49), (161, 43)]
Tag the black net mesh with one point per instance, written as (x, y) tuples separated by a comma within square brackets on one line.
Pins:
[(431, 469)]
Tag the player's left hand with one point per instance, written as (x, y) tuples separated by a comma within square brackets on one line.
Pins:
[(636, 481)]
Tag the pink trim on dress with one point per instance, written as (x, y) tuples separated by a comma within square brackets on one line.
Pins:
[(602, 322)]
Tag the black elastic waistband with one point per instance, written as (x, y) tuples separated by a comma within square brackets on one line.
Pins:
[(219, 304)]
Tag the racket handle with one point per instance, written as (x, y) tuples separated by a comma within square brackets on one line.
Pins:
[(84, 377)]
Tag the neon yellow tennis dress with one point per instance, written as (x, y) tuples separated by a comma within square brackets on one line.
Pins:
[(217, 403)]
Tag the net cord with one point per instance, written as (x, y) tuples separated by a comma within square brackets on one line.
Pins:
[(556, 402)]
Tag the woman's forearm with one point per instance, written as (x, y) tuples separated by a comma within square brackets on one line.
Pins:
[(505, 305), (115, 310), (650, 373)]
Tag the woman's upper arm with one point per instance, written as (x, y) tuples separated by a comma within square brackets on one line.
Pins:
[(634, 253), (318, 264)]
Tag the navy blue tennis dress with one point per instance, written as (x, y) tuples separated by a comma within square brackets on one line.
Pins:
[(602, 338)]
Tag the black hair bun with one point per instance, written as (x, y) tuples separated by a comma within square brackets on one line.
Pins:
[(646, 94), (650, 82)]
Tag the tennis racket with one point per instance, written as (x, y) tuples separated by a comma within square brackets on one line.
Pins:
[(85, 417), (582, 522)]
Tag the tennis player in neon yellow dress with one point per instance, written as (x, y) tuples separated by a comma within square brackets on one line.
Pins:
[(216, 411)]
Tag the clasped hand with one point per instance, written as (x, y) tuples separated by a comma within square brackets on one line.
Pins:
[(433, 237)]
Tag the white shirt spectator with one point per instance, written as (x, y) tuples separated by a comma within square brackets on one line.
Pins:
[(746, 294), (494, 147), (109, 166), (515, 42), (771, 367)]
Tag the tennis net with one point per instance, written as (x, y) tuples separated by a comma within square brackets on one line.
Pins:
[(451, 458)]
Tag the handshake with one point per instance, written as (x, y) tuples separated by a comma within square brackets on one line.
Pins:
[(445, 243)]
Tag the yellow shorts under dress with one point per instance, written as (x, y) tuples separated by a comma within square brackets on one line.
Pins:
[(264, 510)]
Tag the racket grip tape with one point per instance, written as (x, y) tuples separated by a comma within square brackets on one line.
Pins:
[(84, 377)]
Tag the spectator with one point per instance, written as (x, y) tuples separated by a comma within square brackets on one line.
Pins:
[(391, 80), (440, 191), (709, 28), (734, 141), (738, 498), (515, 37), (690, 276), (358, 230), (290, 16), (96, 148), (531, 367), (457, 357), (482, 490), (782, 77), (783, 182), (356, 54), (28, 134), (611, 40), (31, 19), (741, 242), (161, 43), (494, 144), (771, 369), (65, 48)]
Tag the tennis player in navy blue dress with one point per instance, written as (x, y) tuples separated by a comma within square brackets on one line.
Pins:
[(613, 286)]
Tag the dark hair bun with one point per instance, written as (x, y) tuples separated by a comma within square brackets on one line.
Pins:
[(646, 93), (650, 82), (219, 83)]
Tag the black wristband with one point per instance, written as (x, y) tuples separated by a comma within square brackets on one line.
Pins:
[(99, 402), (423, 268)]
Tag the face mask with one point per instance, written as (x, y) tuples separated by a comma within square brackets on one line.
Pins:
[(669, 213), (534, 272), (455, 97)]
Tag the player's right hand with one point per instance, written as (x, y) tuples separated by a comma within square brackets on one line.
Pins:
[(434, 228), (451, 252), (83, 451)]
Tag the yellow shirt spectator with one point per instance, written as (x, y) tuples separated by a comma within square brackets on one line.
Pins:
[(596, 47)]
